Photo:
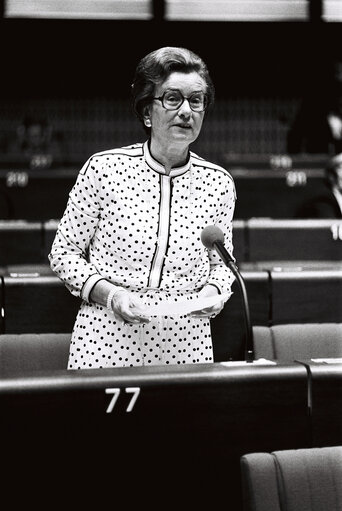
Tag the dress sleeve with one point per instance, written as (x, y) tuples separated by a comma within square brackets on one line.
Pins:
[(69, 252), (219, 275)]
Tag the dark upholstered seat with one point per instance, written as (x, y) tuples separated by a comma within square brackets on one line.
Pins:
[(290, 342), (20, 353), (293, 480)]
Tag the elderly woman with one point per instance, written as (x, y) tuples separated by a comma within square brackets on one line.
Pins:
[(130, 237)]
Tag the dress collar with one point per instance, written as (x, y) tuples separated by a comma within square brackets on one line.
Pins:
[(158, 167)]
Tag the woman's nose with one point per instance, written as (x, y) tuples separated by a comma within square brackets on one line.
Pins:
[(185, 110)]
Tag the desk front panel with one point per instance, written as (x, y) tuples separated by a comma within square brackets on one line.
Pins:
[(21, 242), (275, 193), (299, 240), (304, 296), (35, 194), (37, 303), (175, 433)]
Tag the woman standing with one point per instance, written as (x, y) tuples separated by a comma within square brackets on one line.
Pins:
[(130, 235)]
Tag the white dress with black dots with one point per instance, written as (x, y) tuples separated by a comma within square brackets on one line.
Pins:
[(130, 223)]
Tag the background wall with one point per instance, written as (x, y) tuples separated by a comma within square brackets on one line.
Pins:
[(78, 73)]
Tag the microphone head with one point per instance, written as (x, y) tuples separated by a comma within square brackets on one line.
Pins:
[(210, 235)]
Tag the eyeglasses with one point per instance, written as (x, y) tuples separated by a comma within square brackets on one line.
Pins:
[(173, 99)]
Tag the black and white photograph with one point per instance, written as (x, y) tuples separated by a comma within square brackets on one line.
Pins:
[(171, 255)]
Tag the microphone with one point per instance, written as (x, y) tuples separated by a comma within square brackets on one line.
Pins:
[(213, 238)]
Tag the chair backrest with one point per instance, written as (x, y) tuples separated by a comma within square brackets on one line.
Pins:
[(290, 342), (295, 480), (20, 353)]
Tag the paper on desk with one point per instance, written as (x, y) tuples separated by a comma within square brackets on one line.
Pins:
[(258, 361), (185, 306), (327, 360)]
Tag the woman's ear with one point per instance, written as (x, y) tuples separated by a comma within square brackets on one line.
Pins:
[(147, 116)]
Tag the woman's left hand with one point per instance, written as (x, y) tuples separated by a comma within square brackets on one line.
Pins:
[(209, 312)]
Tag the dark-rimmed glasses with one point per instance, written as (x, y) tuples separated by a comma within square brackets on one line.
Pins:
[(173, 99)]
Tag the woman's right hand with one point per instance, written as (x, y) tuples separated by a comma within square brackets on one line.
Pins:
[(128, 309)]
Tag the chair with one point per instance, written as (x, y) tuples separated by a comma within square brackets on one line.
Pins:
[(20, 353), (290, 342), (293, 480)]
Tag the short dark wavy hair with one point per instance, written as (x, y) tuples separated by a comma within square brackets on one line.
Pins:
[(155, 67)]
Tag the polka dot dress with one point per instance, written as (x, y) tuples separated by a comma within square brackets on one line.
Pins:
[(130, 223)]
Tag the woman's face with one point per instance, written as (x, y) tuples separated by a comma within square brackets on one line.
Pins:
[(176, 126)]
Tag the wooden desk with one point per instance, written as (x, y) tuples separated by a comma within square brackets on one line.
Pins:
[(274, 162), (36, 303), (20, 242), (35, 194), (274, 193), (180, 443), (290, 240), (306, 296)]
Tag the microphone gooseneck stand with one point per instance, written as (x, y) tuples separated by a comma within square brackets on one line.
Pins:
[(249, 351), (213, 237)]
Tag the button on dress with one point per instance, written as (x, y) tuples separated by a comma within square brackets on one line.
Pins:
[(130, 223)]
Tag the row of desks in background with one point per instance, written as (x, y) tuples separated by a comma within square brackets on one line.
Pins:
[(275, 194), (35, 300), (256, 239), (176, 432), (266, 187), (274, 185)]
